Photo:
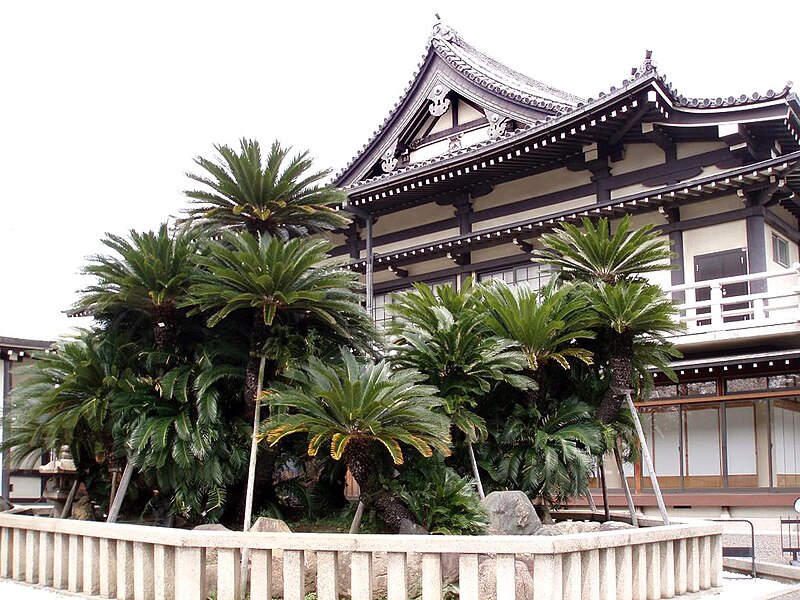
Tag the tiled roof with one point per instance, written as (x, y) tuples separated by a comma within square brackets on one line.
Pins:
[(483, 71)]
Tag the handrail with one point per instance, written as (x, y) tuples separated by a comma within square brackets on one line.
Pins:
[(793, 270), (752, 539)]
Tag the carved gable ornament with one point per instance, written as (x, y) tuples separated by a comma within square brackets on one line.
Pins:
[(439, 101), (497, 124), (389, 158)]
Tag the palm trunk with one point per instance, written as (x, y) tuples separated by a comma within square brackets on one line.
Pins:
[(360, 459), (620, 365)]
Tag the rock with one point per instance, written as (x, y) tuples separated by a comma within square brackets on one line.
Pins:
[(5, 505), (549, 530), (487, 580), (571, 527), (615, 525), (82, 509), (267, 525), (510, 513), (211, 552), (410, 528), (379, 570)]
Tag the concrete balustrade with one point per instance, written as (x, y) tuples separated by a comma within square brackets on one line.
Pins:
[(131, 562)]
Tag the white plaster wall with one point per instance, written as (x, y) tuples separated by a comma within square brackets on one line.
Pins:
[(25, 487), (534, 213), (443, 122), (715, 238), (466, 113), (786, 283), (502, 251), (638, 156), (422, 239), (711, 207), (411, 217), (429, 151), (535, 185), (685, 149)]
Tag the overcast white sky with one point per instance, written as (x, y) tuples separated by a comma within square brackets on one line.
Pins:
[(104, 104)]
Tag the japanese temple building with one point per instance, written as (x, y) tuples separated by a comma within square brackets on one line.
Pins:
[(476, 160)]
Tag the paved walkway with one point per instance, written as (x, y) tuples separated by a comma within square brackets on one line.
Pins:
[(734, 587)]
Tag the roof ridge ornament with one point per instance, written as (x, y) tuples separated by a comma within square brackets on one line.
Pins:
[(389, 159), (443, 32), (648, 65)]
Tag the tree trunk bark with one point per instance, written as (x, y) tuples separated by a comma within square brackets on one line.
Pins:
[(360, 459), (620, 366)]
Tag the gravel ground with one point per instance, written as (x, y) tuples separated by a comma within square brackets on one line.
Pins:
[(11, 590), (768, 546)]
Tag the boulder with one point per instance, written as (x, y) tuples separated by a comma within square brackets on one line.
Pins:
[(571, 527), (410, 528), (211, 552), (5, 505), (487, 580), (548, 530), (510, 513), (267, 525), (614, 526)]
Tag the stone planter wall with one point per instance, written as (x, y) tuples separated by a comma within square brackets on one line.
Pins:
[(141, 563)]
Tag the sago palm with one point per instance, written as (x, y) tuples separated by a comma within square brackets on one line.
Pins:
[(633, 314), (547, 324), (146, 275), (442, 333), (181, 436), (356, 409), (283, 282), (594, 253), (276, 195), (548, 456), (65, 399)]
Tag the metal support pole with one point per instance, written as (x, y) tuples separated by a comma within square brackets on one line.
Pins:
[(369, 299), (647, 459), (625, 487)]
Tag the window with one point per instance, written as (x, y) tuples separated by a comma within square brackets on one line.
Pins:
[(780, 250), (381, 301), (536, 275)]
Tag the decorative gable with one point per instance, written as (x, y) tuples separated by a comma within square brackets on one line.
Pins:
[(459, 97)]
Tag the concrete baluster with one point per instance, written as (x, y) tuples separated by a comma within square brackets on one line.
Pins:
[(61, 561), (260, 574), (327, 576), (506, 574), (124, 570), (639, 556), (653, 553), (294, 575), (716, 561), (693, 564), (361, 576), (6, 552), (590, 575), (190, 564), (547, 579), (571, 571), (143, 571), (164, 572), (681, 568), (108, 568), (229, 569), (624, 558), (431, 576), (31, 556), (667, 550), (75, 564), (45, 558), (18, 550), (608, 573), (705, 562), (396, 580), (467, 577), (91, 565)]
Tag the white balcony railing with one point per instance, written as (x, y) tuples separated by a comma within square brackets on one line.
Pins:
[(764, 303)]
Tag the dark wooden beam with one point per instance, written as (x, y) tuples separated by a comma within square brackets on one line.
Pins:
[(626, 126), (660, 138)]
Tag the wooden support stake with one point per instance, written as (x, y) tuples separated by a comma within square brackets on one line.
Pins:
[(647, 459)]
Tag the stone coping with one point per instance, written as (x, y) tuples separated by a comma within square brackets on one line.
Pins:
[(341, 542)]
